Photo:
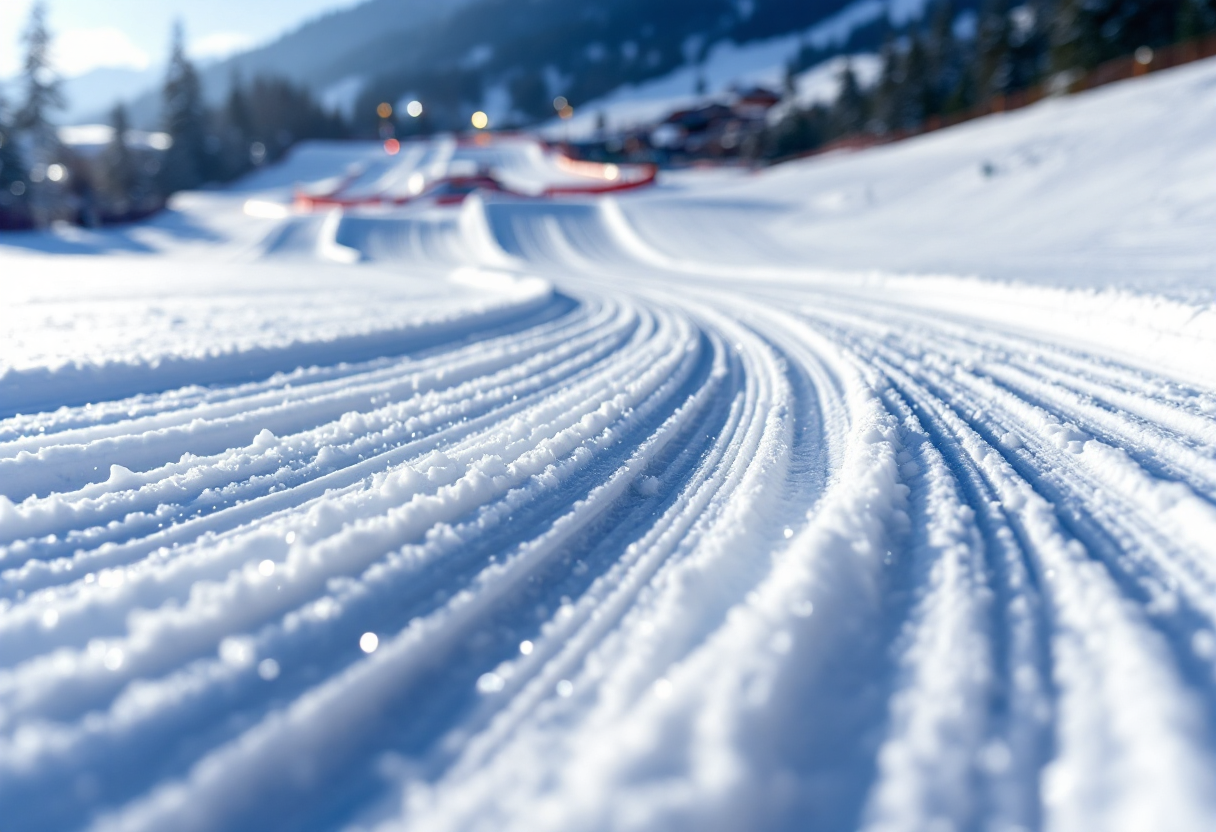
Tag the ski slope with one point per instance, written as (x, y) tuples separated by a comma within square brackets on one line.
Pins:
[(872, 492)]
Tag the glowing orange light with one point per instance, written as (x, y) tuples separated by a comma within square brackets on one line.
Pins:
[(480, 120), (385, 110), (566, 112), (392, 147)]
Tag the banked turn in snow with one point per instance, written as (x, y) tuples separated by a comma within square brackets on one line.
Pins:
[(652, 530)]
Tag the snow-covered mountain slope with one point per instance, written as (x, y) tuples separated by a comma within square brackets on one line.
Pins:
[(1112, 188), (728, 68), (92, 96), (512, 57), (727, 65), (724, 506)]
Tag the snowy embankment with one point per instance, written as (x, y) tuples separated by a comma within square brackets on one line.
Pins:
[(734, 505)]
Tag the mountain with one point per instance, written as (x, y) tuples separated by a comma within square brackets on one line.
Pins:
[(323, 51), (512, 57), (515, 56), (315, 55), (92, 95)]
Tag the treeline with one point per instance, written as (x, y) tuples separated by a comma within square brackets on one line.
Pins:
[(535, 50), (939, 68), (43, 180)]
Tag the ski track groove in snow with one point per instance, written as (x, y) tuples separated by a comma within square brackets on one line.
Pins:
[(651, 537)]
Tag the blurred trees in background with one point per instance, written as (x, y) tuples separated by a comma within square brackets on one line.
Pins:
[(13, 173), (125, 176), (42, 180), (257, 124), (943, 65), (32, 127), (261, 121), (184, 116)]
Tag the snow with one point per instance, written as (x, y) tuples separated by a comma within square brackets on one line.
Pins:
[(866, 492), (342, 96), (1091, 192), (93, 138), (821, 83), (727, 65)]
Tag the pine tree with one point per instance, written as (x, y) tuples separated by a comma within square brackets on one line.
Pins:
[(42, 88), (529, 97), (849, 111), (789, 81), (1190, 19), (992, 63), (1195, 17), (12, 164), (1076, 38), (800, 131), (13, 174), (237, 113), (237, 129), (941, 44), (886, 97), (120, 183), (1028, 43), (283, 114), (916, 100), (185, 120), (942, 54), (33, 120)]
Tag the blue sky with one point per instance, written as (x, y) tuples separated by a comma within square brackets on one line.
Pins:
[(135, 33)]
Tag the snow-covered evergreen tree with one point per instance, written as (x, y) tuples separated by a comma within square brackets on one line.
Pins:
[(34, 126), (13, 174), (849, 111), (41, 87), (120, 176), (1028, 42), (236, 127), (185, 120), (944, 60), (916, 94), (886, 94), (991, 65)]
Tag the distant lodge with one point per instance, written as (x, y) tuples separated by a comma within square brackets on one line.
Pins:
[(717, 130)]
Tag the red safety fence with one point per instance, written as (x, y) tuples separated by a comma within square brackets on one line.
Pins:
[(307, 201), (607, 178), (611, 183), (312, 202)]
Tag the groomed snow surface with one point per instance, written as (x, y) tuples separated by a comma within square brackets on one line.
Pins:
[(873, 492)]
